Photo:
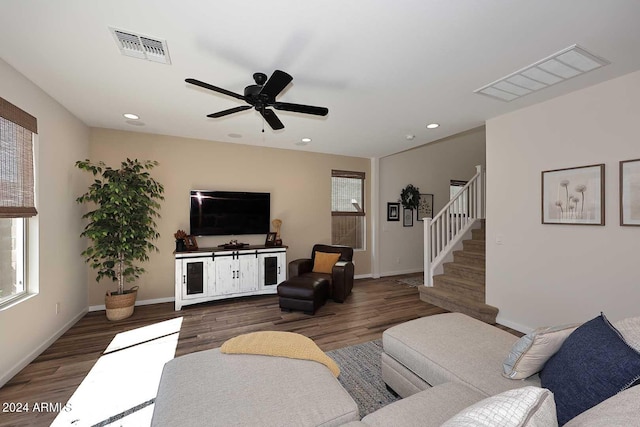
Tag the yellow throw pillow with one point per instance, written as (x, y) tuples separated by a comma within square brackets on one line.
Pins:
[(324, 262)]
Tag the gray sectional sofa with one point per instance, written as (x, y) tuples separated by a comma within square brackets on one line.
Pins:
[(448, 368)]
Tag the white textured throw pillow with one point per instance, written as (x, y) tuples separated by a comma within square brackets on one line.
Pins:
[(630, 331), (521, 407), (529, 354)]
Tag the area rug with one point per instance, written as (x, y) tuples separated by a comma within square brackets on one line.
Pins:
[(361, 375), (411, 281)]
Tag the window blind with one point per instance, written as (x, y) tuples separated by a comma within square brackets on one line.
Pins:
[(17, 127)]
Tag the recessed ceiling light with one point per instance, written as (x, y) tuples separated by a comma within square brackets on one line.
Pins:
[(306, 140), (432, 125), (131, 116)]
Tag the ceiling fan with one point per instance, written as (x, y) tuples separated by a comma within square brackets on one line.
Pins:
[(262, 95)]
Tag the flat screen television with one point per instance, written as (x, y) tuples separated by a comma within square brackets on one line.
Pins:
[(224, 213)]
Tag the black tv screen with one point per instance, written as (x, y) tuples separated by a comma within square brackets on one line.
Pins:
[(224, 213)]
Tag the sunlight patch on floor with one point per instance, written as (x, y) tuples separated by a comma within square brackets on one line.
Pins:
[(121, 387)]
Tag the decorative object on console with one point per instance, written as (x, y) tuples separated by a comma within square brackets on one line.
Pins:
[(410, 197), (191, 243), (393, 211), (425, 207), (121, 228), (573, 195), (277, 224), (270, 239), (407, 219), (233, 244), (630, 192), (180, 236)]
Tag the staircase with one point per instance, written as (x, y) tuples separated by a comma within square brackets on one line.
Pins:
[(462, 286)]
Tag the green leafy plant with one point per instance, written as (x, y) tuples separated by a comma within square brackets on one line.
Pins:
[(122, 226), (410, 197)]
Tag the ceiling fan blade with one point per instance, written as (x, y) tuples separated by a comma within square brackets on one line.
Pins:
[(229, 111), (276, 83), (214, 88), (299, 108), (272, 119)]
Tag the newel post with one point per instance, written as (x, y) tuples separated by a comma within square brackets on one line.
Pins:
[(428, 279)]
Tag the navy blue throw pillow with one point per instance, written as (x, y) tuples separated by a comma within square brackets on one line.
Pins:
[(593, 364)]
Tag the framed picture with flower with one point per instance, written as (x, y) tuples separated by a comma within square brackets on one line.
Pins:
[(630, 192), (573, 196)]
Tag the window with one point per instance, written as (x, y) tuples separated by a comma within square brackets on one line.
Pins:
[(16, 198), (347, 209)]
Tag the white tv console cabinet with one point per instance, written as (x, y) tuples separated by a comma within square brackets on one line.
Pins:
[(210, 274)]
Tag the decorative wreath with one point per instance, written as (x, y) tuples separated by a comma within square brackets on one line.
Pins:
[(410, 197)]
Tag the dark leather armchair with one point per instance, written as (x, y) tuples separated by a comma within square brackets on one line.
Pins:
[(341, 277)]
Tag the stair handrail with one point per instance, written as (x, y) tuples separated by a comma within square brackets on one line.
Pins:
[(445, 229)]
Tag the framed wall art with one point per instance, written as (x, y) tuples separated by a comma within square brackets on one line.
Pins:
[(573, 195), (393, 211), (425, 207), (407, 218), (630, 192)]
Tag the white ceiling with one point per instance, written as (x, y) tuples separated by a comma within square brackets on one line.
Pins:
[(384, 68)]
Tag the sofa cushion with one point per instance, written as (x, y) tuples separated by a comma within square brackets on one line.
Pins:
[(324, 262), (523, 407), (428, 408), (620, 410), (593, 364), (454, 347), (529, 354), (630, 330)]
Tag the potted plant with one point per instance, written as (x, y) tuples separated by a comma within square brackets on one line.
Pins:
[(121, 226)]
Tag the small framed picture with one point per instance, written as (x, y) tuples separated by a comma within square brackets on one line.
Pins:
[(425, 207), (271, 239), (393, 211), (407, 217), (630, 192), (573, 196), (190, 243)]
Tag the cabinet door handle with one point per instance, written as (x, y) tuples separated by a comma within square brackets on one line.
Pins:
[(278, 269), (234, 274), (184, 279)]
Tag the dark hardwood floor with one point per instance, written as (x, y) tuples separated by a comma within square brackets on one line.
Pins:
[(375, 305)]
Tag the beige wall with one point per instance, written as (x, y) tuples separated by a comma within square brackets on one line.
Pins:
[(552, 274), (299, 183), (430, 168), (56, 267)]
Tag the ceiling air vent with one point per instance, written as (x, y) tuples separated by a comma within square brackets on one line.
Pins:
[(143, 47), (560, 66)]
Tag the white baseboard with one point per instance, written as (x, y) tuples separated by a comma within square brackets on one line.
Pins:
[(513, 325), (42, 347), (142, 302), (363, 276), (397, 273)]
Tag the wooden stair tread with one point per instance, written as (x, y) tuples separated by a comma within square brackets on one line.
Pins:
[(461, 281), (472, 267), (459, 303)]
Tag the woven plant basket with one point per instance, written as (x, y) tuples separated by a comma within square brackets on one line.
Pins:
[(120, 306)]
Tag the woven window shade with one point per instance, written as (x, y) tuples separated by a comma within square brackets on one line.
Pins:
[(16, 162), (347, 193)]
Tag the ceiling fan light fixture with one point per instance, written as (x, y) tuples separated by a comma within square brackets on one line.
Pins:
[(566, 64)]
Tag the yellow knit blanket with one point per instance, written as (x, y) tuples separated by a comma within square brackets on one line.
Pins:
[(283, 344)]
